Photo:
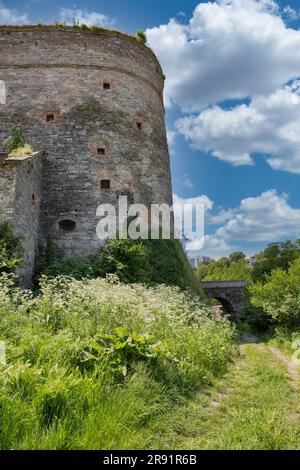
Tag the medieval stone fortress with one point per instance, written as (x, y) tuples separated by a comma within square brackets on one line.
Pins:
[(91, 106)]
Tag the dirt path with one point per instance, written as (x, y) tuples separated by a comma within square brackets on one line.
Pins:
[(291, 366), (249, 339), (254, 406)]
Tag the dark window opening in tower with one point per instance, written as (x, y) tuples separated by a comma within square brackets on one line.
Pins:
[(33, 199), (67, 225), (106, 85), (105, 184), (101, 151), (139, 125), (50, 117)]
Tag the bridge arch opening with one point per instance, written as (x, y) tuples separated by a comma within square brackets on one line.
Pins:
[(223, 307), (230, 294)]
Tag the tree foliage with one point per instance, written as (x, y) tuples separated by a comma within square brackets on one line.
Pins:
[(235, 267), (145, 261), (279, 296), (279, 255)]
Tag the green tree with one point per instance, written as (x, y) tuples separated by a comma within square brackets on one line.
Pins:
[(279, 295), (279, 255), (169, 265), (237, 256), (233, 268)]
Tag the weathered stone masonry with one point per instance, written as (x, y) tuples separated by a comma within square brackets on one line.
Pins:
[(20, 190), (231, 294), (92, 105)]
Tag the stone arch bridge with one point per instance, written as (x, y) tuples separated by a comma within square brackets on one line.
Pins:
[(231, 295)]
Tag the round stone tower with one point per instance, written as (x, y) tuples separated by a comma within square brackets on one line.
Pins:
[(92, 104)]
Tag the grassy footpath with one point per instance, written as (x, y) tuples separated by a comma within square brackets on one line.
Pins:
[(97, 364), (255, 406)]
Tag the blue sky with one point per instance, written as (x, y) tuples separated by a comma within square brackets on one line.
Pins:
[(233, 104)]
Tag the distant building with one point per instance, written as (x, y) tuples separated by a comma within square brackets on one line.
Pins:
[(195, 261), (184, 241), (252, 261)]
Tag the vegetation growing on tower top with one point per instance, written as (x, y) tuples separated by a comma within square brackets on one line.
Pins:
[(141, 37)]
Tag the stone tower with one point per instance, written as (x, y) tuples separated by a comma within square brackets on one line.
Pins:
[(91, 105)]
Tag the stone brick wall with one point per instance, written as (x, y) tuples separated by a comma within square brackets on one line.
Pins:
[(20, 195), (60, 73), (7, 192), (231, 294)]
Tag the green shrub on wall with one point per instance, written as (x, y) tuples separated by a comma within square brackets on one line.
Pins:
[(17, 144), (16, 140), (141, 37)]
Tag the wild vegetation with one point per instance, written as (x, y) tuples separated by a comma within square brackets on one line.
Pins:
[(17, 144), (225, 269), (91, 364), (273, 285), (94, 362), (112, 354), (140, 36), (255, 406), (279, 295), (147, 261)]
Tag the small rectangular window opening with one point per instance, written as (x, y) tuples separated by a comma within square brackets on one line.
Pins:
[(50, 117), (105, 184), (101, 151), (139, 125), (106, 85), (67, 225)]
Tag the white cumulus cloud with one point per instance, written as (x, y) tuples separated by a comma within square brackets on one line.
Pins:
[(201, 200), (11, 16), (171, 135), (269, 125), (186, 210), (213, 247), (291, 14), (230, 49), (267, 217)]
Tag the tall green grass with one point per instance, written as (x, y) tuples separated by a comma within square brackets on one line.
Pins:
[(91, 364)]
